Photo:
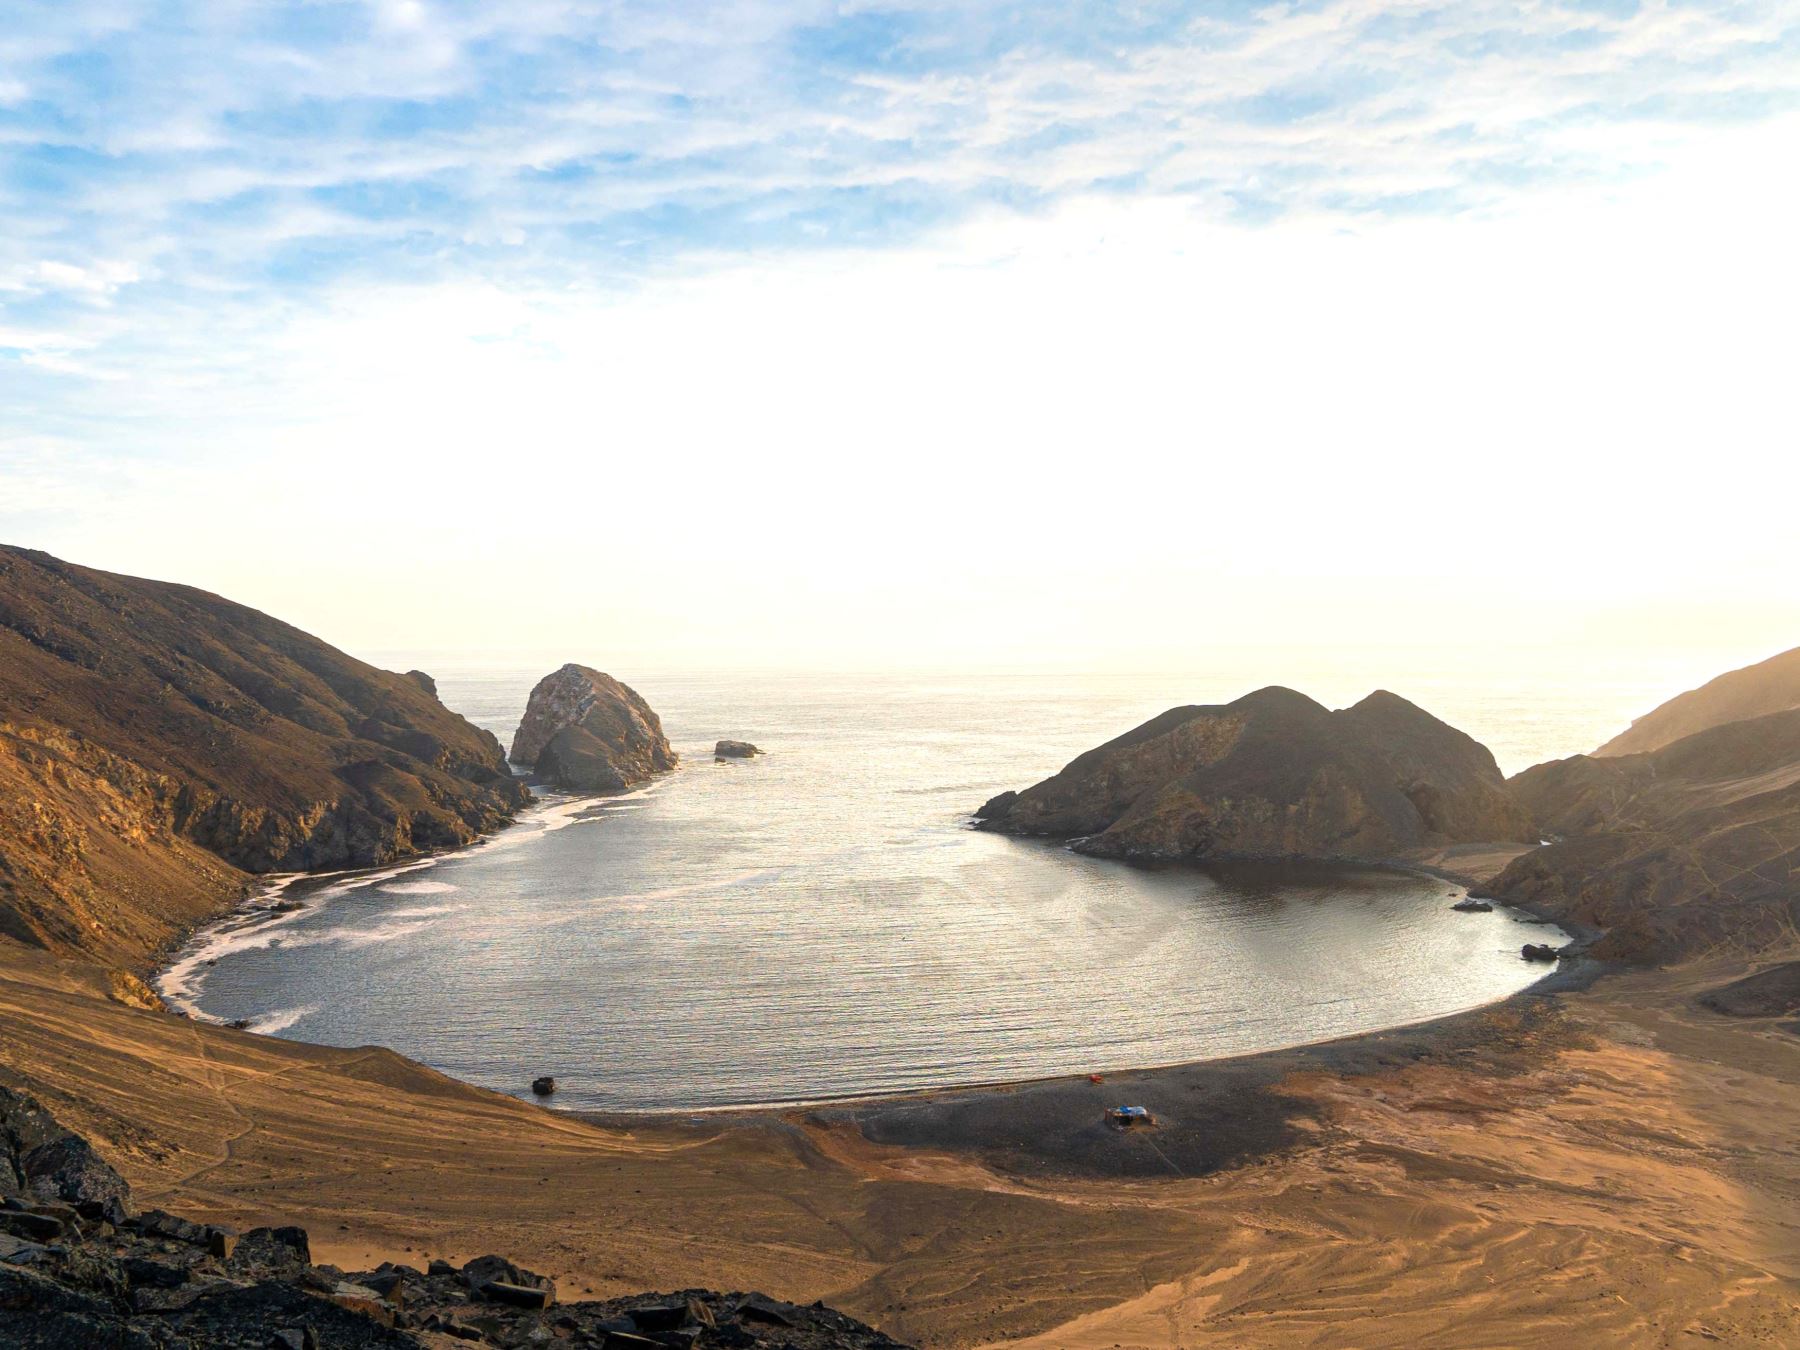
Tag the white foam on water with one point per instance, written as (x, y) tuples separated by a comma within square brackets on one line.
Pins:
[(281, 1019), (249, 927), (253, 927)]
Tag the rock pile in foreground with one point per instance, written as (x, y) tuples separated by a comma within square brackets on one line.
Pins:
[(79, 1268)]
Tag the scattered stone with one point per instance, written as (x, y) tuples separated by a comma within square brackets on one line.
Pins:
[(1537, 951), (359, 1298), (735, 750), (660, 1316), (761, 1308), (518, 1295), (20, 1251), (543, 1086), (1473, 906), (32, 1227)]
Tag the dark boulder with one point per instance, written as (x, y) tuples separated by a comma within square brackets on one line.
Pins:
[(735, 750), (1537, 951), (48, 1163), (543, 1086), (1473, 906), (271, 1251), (488, 1270)]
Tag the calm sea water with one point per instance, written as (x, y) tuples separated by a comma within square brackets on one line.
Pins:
[(821, 922)]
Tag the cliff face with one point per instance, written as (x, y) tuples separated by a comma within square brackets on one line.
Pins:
[(1678, 853), (584, 731), (1273, 774), (1768, 687), (158, 742)]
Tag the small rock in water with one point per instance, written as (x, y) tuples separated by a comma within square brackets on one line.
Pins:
[(543, 1086), (1537, 951), (1473, 906), (735, 750)]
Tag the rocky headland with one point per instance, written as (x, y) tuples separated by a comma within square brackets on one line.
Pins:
[(158, 744), (584, 731), (1273, 774)]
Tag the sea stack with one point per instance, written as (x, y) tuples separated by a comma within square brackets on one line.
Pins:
[(1273, 775), (586, 732)]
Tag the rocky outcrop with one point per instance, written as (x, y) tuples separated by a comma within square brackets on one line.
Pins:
[(157, 742), (583, 731), (735, 750), (1273, 775), (1755, 691), (1686, 851), (78, 1268)]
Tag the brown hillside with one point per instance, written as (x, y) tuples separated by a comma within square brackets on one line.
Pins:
[(156, 742)]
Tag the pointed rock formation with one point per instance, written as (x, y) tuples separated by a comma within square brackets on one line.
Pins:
[(1273, 775), (585, 732)]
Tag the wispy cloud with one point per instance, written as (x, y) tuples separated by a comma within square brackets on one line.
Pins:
[(247, 145)]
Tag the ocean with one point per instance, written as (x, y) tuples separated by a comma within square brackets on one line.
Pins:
[(821, 922)]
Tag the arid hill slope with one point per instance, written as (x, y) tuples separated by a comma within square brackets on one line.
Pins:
[(1273, 774), (1686, 851), (1755, 691), (156, 739)]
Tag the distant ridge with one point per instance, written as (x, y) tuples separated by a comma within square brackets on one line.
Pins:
[(1767, 687)]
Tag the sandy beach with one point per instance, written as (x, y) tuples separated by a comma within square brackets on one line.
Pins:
[(1612, 1164)]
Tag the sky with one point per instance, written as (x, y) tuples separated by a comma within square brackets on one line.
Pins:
[(928, 333)]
